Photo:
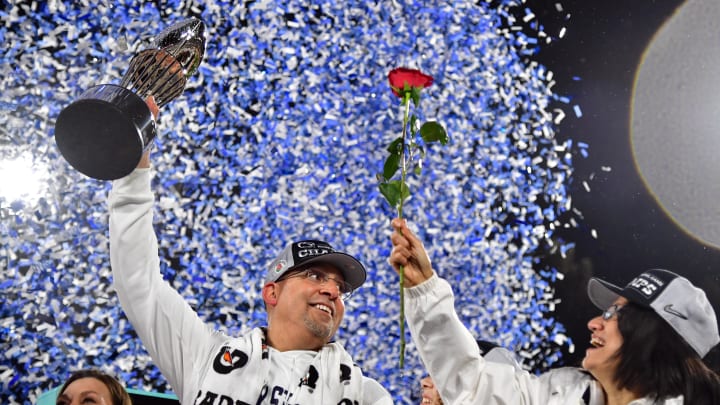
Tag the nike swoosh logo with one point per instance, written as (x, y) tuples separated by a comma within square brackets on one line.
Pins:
[(669, 309)]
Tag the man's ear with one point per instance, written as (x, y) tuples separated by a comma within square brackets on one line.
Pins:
[(269, 293)]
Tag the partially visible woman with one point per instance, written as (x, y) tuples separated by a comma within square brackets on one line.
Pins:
[(646, 347), (92, 387), (664, 326), (430, 394)]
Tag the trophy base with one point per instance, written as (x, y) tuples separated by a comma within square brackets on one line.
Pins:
[(103, 134)]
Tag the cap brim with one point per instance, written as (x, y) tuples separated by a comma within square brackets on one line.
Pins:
[(602, 293), (352, 270)]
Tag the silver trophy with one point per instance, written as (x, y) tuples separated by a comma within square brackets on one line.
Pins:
[(104, 132)]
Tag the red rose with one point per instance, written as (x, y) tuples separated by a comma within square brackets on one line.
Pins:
[(413, 77)]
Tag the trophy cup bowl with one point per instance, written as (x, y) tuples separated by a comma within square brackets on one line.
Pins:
[(105, 131)]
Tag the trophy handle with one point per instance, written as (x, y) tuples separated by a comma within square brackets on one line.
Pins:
[(157, 73)]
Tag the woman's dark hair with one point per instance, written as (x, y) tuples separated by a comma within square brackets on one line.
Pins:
[(654, 361), (118, 393)]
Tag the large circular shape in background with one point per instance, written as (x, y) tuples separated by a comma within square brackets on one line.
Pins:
[(675, 120)]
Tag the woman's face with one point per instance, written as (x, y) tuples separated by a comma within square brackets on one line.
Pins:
[(85, 391), (606, 340), (430, 394)]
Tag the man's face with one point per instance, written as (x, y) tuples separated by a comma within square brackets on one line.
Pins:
[(310, 302)]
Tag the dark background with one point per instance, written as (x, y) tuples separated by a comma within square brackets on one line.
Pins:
[(595, 64)]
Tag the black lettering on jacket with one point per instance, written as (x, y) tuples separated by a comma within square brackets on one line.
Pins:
[(263, 394), (310, 379), (209, 399), (226, 400), (345, 374), (278, 396)]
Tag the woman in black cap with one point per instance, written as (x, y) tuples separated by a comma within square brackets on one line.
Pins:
[(646, 347)]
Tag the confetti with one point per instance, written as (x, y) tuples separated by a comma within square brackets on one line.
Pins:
[(280, 136)]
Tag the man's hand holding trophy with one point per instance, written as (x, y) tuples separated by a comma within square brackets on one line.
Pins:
[(104, 133)]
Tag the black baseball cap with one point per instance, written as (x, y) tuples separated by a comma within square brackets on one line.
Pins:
[(305, 252), (673, 297)]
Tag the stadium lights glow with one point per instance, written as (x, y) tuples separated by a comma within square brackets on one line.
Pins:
[(21, 180)]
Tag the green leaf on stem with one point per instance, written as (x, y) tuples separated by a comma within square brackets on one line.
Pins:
[(392, 192), (413, 124), (395, 146), (431, 131), (415, 95), (405, 191), (392, 164)]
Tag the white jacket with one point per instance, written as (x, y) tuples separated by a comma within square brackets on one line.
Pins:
[(201, 365), (462, 376)]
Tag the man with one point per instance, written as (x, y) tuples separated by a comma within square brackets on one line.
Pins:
[(291, 361)]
